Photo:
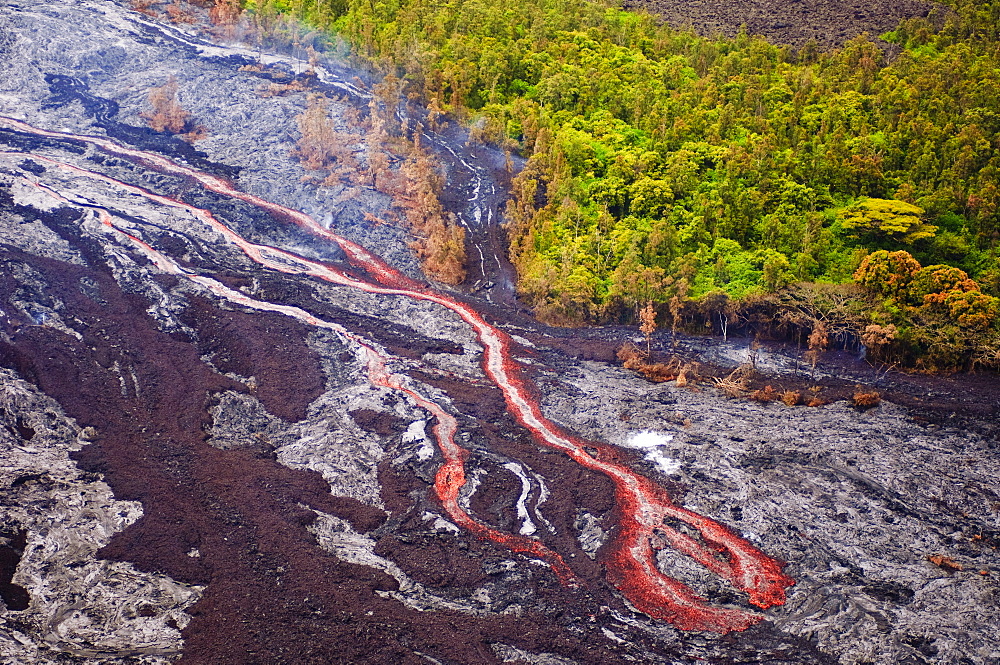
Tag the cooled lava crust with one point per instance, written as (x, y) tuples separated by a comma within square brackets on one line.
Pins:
[(271, 594), (825, 23), (106, 311)]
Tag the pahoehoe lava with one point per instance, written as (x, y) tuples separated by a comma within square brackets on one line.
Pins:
[(643, 508), (311, 455)]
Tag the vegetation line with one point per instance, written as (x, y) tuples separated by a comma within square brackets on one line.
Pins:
[(722, 179)]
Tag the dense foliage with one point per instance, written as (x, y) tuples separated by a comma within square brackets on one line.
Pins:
[(935, 314), (666, 165)]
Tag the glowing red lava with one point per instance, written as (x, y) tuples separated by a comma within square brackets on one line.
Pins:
[(644, 508)]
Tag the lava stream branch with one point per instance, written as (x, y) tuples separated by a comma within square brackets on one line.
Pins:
[(356, 254), (450, 477), (643, 506)]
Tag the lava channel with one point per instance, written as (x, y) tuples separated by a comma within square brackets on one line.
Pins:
[(644, 507)]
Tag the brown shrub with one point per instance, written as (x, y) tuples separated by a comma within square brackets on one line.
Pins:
[(819, 338), (688, 374), (634, 358), (945, 562), (440, 238), (765, 394), (630, 356), (659, 372), (225, 12), (177, 13), (876, 336), (791, 397), (442, 250), (144, 7), (167, 115), (866, 399), (648, 326), (321, 146)]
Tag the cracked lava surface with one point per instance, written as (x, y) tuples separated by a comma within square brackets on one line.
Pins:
[(236, 425), (642, 505)]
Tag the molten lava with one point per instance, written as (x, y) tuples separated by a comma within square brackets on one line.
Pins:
[(644, 508)]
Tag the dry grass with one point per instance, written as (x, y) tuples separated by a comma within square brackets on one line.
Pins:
[(737, 382), (281, 89), (814, 399), (945, 562), (730, 388)]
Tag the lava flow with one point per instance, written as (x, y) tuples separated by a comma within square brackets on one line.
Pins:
[(451, 476), (644, 508)]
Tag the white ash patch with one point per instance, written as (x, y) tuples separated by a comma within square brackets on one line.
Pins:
[(439, 523), (416, 433), (528, 527), (466, 365), (651, 442), (427, 318), (240, 421)]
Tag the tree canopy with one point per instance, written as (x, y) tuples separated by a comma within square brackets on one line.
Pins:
[(662, 164)]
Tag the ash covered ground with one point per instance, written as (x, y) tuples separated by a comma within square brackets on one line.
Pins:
[(198, 466)]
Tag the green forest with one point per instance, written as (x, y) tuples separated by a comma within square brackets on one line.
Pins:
[(719, 178)]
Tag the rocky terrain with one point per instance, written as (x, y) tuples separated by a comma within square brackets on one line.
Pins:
[(240, 427), (824, 23)]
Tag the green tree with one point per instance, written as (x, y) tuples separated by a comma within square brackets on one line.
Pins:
[(879, 220)]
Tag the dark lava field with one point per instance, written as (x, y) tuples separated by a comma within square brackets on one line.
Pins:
[(240, 427), (825, 23)]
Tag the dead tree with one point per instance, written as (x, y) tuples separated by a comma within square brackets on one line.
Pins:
[(648, 318), (167, 115)]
